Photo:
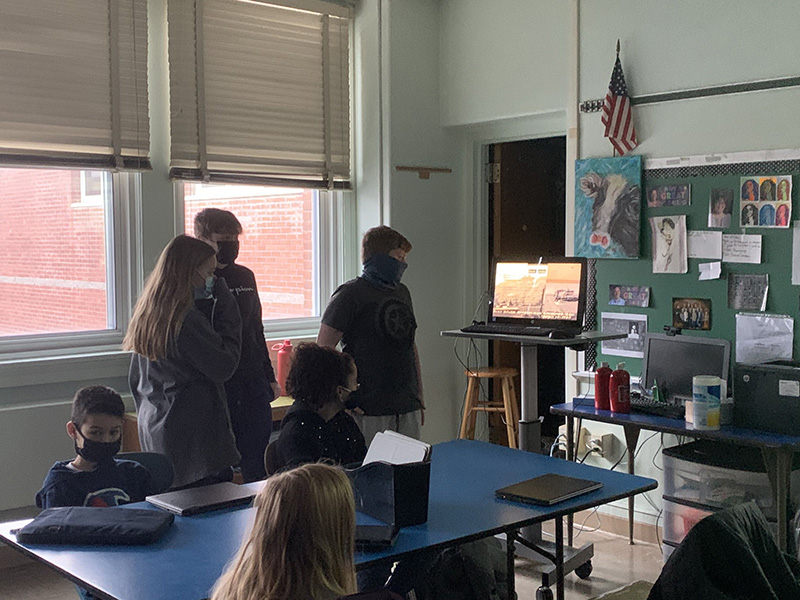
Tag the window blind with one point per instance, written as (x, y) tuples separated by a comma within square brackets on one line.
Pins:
[(260, 92), (73, 83)]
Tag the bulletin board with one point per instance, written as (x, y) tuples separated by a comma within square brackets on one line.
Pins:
[(776, 257)]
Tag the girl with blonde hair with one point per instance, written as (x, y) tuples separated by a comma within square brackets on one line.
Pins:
[(302, 542), (186, 337)]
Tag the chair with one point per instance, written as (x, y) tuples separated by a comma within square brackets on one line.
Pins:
[(473, 404), (159, 466), (270, 459)]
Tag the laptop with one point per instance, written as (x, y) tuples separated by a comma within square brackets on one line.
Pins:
[(548, 489), (193, 501), (536, 297)]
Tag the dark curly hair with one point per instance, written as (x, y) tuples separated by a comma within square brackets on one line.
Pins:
[(96, 400), (316, 374)]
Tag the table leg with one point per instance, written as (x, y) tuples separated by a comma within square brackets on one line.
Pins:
[(570, 456), (511, 539), (559, 525), (779, 470), (631, 440), (529, 425)]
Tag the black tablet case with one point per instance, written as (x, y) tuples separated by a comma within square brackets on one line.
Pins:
[(547, 489), (85, 525)]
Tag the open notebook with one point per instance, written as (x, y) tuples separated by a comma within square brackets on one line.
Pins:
[(396, 449)]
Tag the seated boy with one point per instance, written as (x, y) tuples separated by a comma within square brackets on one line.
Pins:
[(95, 477)]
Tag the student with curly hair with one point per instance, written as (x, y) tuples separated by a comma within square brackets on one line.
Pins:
[(316, 427), (302, 543)]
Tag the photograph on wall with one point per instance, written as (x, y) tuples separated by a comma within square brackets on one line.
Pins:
[(635, 325), (669, 195), (628, 295), (691, 313), (766, 201), (608, 202), (748, 291), (720, 208), (669, 244)]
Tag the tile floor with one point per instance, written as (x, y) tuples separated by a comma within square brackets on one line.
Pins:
[(615, 563)]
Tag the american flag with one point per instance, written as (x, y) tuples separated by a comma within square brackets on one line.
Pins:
[(617, 115)]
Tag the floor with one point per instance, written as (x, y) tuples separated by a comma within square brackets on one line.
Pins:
[(615, 563)]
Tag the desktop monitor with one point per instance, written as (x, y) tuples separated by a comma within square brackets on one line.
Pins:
[(543, 292), (672, 361)]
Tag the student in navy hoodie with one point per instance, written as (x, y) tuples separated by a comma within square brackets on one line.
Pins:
[(94, 477)]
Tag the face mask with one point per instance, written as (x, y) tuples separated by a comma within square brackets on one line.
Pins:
[(207, 291), (383, 271), (96, 452), (227, 253)]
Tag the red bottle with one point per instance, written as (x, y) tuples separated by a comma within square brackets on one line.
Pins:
[(284, 362), (601, 380), (619, 390)]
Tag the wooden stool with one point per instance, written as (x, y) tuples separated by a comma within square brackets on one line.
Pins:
[(473, 404)]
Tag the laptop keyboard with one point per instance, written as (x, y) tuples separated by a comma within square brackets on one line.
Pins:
[(507, 328)]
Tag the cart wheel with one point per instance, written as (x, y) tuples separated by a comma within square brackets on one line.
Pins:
[(583, 571), (544, 593)]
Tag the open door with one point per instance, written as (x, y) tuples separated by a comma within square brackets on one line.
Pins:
[(527, 214)]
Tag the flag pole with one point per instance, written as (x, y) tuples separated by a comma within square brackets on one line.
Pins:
[(613, 149), (618, 48)]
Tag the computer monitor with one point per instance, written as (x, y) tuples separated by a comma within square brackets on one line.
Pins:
[(543, 292), (672, 361)]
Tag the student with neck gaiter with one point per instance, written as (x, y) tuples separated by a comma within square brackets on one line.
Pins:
[(373, 317)]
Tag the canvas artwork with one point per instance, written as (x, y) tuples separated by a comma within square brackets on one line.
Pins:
[(608, 203)]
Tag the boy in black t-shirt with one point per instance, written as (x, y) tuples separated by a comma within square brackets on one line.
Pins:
[(253, 386), (95, 477)]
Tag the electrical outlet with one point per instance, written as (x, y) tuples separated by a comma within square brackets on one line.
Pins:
[(603, 444)]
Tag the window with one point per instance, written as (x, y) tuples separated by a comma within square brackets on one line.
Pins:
[(292, 240), (64, 238)]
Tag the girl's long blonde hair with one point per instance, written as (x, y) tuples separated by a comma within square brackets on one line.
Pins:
[(302, 542), (167, 296)]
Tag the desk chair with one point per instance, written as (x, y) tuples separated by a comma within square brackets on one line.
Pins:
[(473, 403), (160, 467), (270, 459)]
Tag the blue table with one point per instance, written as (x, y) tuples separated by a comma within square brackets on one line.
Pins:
[(776, 448), (462, 507)]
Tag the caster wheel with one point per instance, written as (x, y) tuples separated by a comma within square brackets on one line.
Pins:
[(583, 571), (544, 593)]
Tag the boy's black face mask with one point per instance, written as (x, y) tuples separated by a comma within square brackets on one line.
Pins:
[(227, 252), (96, 452)]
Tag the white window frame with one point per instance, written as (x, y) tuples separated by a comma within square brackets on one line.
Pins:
[(334, 256), (123, 278)]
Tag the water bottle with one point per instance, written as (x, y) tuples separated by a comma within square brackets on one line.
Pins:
[(601, 380), (619, 390), (284, 362)]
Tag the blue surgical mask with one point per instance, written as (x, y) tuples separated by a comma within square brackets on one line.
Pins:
[(207, 291)]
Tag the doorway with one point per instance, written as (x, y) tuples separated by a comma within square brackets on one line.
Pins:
[(527, 215)]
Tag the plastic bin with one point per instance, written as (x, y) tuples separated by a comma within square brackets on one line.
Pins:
[(719, 475), (679, 520)]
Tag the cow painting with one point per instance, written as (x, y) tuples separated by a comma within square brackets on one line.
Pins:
[(607, 207)]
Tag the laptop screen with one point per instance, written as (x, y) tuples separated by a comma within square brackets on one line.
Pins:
[(545, 292)]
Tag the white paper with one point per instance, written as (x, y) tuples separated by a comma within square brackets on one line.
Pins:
[(705, 244), (711, 270), (796, 254), (741, 248), (761, 338), (396, 449)]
